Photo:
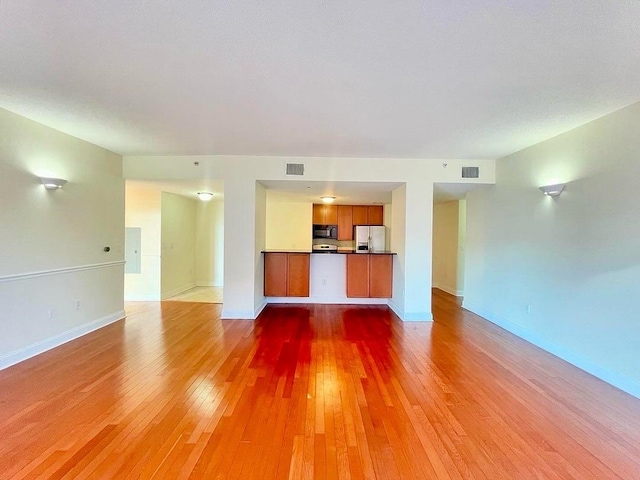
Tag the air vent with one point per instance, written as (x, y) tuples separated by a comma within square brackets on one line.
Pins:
[(470, 172), (295, 169)]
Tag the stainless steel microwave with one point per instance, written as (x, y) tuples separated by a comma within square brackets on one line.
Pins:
[(325, 231)]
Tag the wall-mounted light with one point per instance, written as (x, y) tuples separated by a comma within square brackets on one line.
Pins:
[(205, 196), (552, 190), (327, 199), (52, 183)]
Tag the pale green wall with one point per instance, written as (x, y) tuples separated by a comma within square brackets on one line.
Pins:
[(564, 273), (178, 244)]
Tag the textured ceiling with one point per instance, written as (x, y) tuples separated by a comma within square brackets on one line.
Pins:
[(430, 79)]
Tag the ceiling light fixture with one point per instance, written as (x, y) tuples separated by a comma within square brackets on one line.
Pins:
[(52, 183), (205, 196), (552, 190), (327, 199)]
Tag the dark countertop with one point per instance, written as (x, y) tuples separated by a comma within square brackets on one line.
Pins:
[(332, 252)]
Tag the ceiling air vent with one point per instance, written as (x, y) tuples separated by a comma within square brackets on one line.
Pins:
[(470, 172), (295, 169)]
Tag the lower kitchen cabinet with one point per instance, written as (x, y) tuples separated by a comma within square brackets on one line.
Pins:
[(380, 276), (369, 276), (286, 274), (358, 275)]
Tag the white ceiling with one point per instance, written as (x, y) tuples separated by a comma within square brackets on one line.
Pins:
[(185, 188), (346, 193), (428, 79)]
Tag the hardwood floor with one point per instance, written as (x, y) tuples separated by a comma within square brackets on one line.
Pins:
[(310, 392)]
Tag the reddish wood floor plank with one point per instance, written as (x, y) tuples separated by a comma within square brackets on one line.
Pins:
[(318, 391)]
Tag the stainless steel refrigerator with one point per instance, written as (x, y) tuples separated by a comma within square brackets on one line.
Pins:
[(369, 239)]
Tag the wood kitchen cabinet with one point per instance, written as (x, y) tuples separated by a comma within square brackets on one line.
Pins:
[(369, 276), (380, 276), (345, 222), (375, 214), (358, 275), (368, 215), (360, 215), (286, 274), (325, 214)]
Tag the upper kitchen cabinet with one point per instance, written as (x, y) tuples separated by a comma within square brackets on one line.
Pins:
[(368, 215), (325, 214), (345, 222), (375, 214), (360, 215)]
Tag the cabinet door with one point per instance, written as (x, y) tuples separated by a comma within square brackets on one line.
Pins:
[(357, 275), (360, 215), (375, 214), (325, 214), (345, 222), (298, 275), (318, 214), (331, 214), (275, 274), (380, 276)]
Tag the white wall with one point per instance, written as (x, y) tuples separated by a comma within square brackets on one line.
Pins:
[(142, 210), (240, 174), (209, 244), (260, 218), (446, 219), (462, 242), (240, 248), (178, 243), (51, 242), (397, 243), (574, 260), (288, 224)]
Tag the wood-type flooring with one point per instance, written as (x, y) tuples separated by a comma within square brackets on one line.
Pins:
[(314, 391)]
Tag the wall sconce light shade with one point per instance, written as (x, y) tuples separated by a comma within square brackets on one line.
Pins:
[(552, 190), (52, 183), (205, 196), (327, 199)]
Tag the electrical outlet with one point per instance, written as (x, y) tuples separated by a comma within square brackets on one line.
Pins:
[(52, 314), (324, 282), (528, 308), (78, 305)]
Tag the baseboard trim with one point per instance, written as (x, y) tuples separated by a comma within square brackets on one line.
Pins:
[(450, 291), (396, 309), (34, 349), (619, 381), (418, 317), (410, 316), (59, 271), (237, 314), (258, 310), (329, 300), (177, 291)]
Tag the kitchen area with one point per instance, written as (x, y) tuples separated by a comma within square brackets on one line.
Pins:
[(349, 260)]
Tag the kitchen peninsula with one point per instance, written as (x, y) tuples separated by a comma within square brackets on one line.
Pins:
[(341, 276)]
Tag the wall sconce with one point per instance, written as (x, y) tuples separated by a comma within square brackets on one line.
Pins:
[(52, 183), (553, 190), (327, 199), (205, 196)]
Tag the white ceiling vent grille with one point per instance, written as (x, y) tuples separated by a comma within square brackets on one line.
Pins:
[(295, 169), (470, 172)]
